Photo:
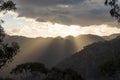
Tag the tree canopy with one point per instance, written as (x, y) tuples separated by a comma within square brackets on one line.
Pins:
[(38, 71), (115, 8), (7, 51), (7, 5), (29, 67)]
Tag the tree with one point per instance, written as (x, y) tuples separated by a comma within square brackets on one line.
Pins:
[(7, 51), (115, 8), (38, 71), (72, 75), (30, 71), (7, 5), (55, 74), (67, 74), (6, 79)]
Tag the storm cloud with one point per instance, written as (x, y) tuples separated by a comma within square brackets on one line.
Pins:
[(68, 12)]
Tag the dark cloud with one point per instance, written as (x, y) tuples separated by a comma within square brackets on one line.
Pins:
[(69, 12)]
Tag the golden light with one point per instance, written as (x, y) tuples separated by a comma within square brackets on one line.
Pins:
[(31, 28)]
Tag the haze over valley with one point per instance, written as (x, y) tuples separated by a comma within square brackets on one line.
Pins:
[(59, 39)]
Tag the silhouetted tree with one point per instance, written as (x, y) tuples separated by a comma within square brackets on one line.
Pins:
[(115, 8), (6, 79), (7, 51), (55, 74), (37, 71), (30, 71), (71, 75), (67, 74), (7, 5)]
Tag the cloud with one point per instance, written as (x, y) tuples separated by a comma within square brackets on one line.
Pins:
[(53, 30), (68, 12), (30, 28)]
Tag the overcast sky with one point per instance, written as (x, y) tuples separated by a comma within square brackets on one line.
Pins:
[(50, 18)]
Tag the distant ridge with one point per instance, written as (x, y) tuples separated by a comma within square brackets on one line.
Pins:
[(50, 50), (113, 36), (88, 60)]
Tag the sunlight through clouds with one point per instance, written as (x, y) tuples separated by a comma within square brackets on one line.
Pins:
[(30, 28)]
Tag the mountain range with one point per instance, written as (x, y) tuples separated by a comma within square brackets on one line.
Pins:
[(49, 51), (110, 37), (89, 60)]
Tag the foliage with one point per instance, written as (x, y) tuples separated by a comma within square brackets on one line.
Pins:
[(29, 67), (30, 71), (7, 5), (37, 71), (115, 8), (67, 74), (7, 51), (6, 79)]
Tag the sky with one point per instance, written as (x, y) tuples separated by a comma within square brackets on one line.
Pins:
[(51, 18)]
